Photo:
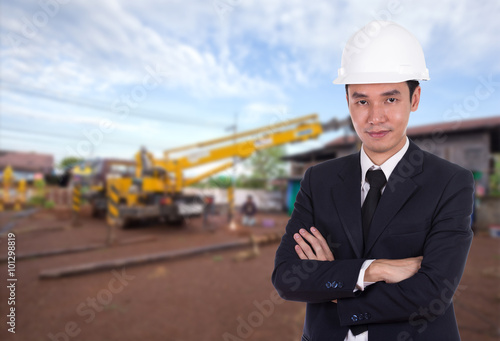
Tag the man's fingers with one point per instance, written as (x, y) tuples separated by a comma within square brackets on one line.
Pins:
[(304, 246), (312, 246), (318, 249), (324, 244), (300, 253)]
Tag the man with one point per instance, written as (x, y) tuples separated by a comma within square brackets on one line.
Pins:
[(248, 210), (378, 240), (208, 208)]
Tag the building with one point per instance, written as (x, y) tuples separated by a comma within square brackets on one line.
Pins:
[(469, 143), (26, 164)]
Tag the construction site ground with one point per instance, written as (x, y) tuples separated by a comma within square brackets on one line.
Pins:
[(208, 297)]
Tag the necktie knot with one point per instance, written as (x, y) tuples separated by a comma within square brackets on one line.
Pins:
[(376, 178)]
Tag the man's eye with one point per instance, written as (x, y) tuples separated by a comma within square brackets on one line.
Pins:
[(362, 102), (391, 100)]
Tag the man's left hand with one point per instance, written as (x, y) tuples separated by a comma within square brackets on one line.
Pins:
[(320, 249)]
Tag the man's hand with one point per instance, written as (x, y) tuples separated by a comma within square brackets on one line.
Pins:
[(320, 249), (320, 246), (392, 270)]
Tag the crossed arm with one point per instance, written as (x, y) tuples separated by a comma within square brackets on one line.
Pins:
[(313, 246), (381, 270)]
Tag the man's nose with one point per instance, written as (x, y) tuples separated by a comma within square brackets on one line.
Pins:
[(377, 114)]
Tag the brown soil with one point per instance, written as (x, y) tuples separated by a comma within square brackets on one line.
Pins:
[(207, 297)]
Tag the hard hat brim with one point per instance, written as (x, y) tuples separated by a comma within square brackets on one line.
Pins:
[(380, 77)]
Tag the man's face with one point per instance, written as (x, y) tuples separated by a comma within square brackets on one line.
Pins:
[(380, 114)]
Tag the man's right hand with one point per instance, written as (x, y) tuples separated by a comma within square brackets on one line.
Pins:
[(392, 270)]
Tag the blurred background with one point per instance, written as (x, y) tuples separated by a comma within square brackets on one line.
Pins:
[(151, 152)]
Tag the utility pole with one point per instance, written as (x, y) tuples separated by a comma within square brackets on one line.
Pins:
[(231, 189)]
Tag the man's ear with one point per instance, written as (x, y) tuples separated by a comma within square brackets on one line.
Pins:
[(415, 98), (347, 99)]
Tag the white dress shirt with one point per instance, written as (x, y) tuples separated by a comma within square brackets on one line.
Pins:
[(387, 167)]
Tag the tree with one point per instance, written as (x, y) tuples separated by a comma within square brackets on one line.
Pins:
[(244, 181), (266, 164), (220, 181), (69, 162)]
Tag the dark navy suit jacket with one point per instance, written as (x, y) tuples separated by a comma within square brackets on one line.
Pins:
[(424, 211)]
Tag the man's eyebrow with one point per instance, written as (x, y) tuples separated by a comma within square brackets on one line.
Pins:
[(358, 95), (391, 93)]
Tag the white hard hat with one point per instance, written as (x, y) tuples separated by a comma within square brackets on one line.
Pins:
[(382, 52)]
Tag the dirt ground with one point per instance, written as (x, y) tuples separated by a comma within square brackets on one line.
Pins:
[(205, 297)]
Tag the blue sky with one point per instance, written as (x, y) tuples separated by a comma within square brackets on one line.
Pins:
[(122, 74)]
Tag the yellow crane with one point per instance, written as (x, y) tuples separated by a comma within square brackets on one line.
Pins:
[(241, 145), (156, 190)]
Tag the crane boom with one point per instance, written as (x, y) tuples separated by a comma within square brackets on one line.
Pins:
[(241, 145)]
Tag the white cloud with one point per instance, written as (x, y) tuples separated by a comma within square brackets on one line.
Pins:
[(99, 49), (221, 48), (75, 120), (262, 114), (226, 54)]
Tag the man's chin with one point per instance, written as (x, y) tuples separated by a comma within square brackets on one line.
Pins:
[(379, 148)]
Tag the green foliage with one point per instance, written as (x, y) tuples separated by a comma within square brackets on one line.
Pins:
[(69, 162), (49, 204), (250, 182), (39, 198), (220, 181), (39, 184), (265, 165), (201, 184)]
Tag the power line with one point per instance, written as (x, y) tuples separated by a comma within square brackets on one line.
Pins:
[(65, 136), (103, 106), (26, 140), (7, 129)]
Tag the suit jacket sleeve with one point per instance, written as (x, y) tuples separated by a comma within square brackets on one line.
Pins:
[(429, 292), (309, 280)]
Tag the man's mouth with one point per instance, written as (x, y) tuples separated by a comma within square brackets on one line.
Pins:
[(378, 134)]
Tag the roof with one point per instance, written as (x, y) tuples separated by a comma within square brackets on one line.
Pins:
[(455, 126), (487, 123), (319, 154), (329, 149), (29, 162), (342, 141)]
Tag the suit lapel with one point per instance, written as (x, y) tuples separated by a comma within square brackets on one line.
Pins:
[(400, 187), (347, 198)]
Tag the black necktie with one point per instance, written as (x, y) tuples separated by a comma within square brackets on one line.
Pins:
[(377, 181)]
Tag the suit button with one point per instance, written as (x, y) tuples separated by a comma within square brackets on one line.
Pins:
[(354, 318), (361, 317), (341, 285), (328, 284), (335, 284), (367, 316)]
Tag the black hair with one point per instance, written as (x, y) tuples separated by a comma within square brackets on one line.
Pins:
[(412, 85)]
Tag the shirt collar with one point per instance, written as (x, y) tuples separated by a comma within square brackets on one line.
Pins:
[(387, 167)]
